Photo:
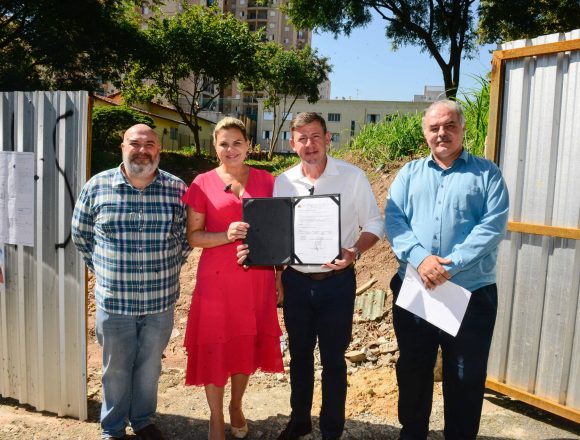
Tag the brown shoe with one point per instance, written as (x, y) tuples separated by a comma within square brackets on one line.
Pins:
[(150, 432)]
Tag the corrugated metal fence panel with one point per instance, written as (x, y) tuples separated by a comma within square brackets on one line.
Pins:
[(536, 344), (42, 334)]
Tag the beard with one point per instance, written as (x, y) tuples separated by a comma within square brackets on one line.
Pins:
[(141, 169)]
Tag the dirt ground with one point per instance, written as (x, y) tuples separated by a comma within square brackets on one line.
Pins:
[(372, 392)]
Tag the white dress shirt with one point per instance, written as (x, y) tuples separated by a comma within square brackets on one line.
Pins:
[(358, 208)]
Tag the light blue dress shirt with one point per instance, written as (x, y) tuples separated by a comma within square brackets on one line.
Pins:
[(458, 213)]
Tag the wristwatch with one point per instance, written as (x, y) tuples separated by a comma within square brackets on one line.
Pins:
[(357, 253)]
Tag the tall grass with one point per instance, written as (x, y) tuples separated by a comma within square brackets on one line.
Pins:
[(394, 138), (475, 103), (401, 135)]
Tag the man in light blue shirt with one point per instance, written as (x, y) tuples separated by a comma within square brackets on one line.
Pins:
[(446, 215)]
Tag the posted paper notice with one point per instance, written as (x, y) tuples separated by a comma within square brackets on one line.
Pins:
[(17, 198), (444, 306)]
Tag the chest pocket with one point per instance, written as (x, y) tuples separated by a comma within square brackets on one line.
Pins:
[(468, 203), (113, 223), (159, 223), (117, 225)]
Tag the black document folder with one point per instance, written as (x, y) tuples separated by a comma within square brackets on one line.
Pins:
[(272, 236)]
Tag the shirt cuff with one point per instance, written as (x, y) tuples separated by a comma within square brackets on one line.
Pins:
[(417, 255), (455, 266)]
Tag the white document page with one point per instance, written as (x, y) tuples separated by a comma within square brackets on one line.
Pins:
[(444, 306), (17, 198), (316, 230)]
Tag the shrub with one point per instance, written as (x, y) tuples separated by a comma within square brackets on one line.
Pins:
[(401, 135), (109, 123), (394, 138)]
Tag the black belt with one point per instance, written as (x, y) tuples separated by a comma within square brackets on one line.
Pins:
[(319, 276)]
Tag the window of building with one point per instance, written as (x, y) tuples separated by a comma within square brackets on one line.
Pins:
[(286, 29), (286, 135), (335, 137), (266, 134), (210, 2), (286, 40), (173, 133), (268, 116), (144, 10), (334, 117), (373, 118), (242, 13), (272, 25), (242, 2), (352, 127), (272, 13)]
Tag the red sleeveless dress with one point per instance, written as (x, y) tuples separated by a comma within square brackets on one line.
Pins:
[(233, 324)]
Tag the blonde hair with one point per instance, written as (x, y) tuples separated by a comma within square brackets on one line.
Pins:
[(227, 123)]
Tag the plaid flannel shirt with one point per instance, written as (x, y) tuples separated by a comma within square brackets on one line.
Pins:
[(133, 240)]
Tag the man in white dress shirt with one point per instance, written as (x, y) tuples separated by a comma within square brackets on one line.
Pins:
[(319, 300)]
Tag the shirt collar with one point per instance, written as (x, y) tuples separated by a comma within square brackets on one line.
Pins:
[(464, 156), (119, 178), (295, 173)]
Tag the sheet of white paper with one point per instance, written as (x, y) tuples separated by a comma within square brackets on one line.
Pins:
[(316, 233), (443, 306), (17, 198)]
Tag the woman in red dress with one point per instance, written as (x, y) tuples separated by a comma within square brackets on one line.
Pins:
[(233, 327)]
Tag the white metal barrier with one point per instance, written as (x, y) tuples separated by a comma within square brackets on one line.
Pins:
[(42, 312)]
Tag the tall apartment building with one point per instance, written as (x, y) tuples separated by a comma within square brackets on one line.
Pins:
[(269, 18), (276, 26)]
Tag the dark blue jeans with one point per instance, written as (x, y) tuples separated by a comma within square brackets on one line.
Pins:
[(464, 366), (319, 310)]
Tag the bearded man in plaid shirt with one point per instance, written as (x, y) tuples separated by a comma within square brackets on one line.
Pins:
[(129, 225)]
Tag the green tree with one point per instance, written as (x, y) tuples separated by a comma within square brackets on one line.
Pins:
[(443, 28), (109, 124), (282, 76), (506, 21), (65, 44), (196, 54)]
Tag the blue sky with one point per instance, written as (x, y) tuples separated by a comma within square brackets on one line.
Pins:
[(365, 67)]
